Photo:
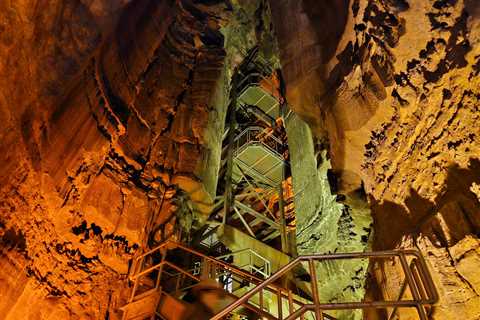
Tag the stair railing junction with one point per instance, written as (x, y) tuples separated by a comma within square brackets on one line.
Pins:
[(416, 274), (252, 256), (210, 269)]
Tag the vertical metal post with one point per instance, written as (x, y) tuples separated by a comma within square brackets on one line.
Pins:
[(160, 269), (261, 299), (290, 301), (413, 287), (279, 303), (227, 206), (316, 301), (251, 261), (134, 290), (418, 281), (205, 269), (283, 223), (419, 285)]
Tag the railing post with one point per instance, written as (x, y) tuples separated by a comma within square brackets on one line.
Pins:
[(426, 278), (420, 288), (251, 262), (418, 281), (260, 298), (160, 269), (204, 269), (290, 301), (134, 290), (413, 287), (313, 279), (279, 303)]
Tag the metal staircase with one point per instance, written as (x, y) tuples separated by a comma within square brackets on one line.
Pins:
[(421, 292), (175, 282), (257, 172), (259, 154), (160, 283), (260, 92)]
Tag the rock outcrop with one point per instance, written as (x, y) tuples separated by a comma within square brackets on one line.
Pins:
[(112, 115), (394, 92), (103, 140)]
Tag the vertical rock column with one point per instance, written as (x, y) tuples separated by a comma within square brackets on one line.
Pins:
[(322, 224)]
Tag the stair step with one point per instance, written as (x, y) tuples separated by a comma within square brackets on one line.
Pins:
[(272, 235), (141, 308), (171, 308)]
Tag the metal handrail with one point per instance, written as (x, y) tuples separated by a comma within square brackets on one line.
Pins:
[(273, 288), (250, 139), (417, 283), (266, 263), (169, 264)]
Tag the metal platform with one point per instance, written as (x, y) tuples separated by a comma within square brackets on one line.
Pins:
[(259, 156), (259, 92)]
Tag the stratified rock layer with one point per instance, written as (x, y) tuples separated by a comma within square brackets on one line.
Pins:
[(104, 138)]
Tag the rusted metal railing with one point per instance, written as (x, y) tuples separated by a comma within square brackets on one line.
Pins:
[(417, 277), (140, 270)]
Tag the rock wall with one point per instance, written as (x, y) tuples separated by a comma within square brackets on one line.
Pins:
[(394, 93), (104, 143), (110, 130), (323, 223)]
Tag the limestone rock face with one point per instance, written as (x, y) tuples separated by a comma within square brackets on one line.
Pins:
[(110, 123), (104, 127), (394, 92), (324, 224)]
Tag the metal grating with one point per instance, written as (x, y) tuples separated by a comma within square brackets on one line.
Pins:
[(259, 156), (258, 91)]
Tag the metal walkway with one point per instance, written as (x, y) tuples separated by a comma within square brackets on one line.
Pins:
[(417, 281), (259, 155), (265, 298)]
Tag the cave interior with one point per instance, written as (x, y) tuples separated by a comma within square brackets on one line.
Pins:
[(240, 159)]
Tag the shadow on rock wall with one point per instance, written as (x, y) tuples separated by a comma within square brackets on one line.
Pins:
[(329, 19), (456, 208)]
